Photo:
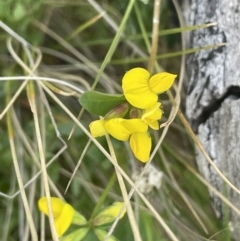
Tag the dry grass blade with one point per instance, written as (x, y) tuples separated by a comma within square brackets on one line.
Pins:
[(78, 164), (181, 193), (202, 150), (84, 26), (32, 101), (131, 217), (77, 54), (9, 212), (31, 151), (154, 45), (209, 186), (18, 173)]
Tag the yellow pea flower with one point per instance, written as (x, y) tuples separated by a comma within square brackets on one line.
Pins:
[(109, 214), (136, 131), (97, 128), (62, 212), (141, 144), (141, 91), (152, 115), (121, 129)]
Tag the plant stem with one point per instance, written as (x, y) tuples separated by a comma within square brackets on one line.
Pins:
[(154, 46)]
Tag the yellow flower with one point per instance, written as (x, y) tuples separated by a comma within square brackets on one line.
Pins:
[(142, 91), (62, 212), (152, 115), (97, 128), (136, 130)]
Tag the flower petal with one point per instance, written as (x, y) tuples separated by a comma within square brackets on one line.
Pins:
[(161, 82), (154, 125), (63, 222), (97, 128), (135, 125), (116, 129), (152, 115), (57, 205), (135, 84), (141, 144), (135, 78)]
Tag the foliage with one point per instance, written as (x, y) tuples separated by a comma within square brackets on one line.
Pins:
[(61, 51)]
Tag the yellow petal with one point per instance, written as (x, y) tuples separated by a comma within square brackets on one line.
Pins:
[(135, 125), (134, 78), (115, 128), (109, 214), (135, 85), (97, 128), (161, 82), (152, 115), (57, 205), (154, 125), (63, 222), (141, 144)]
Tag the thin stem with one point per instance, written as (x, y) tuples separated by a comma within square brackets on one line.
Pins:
[(17, 170), (110, 52), (32, 100), (104, 195), (131, 217), (181, 193), (153, 53), (78, 164)]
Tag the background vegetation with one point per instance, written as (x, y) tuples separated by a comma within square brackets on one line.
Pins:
[(72, 41)]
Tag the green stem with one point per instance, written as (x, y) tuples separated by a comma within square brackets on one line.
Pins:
[(114, 42), (154, 47), (103, 196), (109, 53)]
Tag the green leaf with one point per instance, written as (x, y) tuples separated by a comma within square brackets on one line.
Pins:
[(109, 214), (101, 234), (145, 1), (77, 235), (100, 103), (79, 219), (19, 11)]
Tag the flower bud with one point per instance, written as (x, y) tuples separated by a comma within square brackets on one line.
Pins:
[(109, 214), (118, 111), (135, 113)]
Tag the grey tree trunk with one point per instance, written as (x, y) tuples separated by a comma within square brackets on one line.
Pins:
[(213, 95)]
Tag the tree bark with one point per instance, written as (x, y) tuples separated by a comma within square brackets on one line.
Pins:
[(213, 95)]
